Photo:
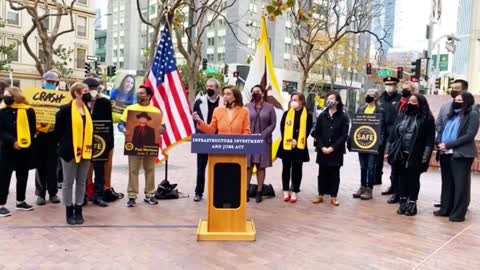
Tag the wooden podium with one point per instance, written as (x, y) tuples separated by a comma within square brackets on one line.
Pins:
[(227, 186)]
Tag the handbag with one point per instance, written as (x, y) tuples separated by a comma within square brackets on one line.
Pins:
[(268, 190), (168, 191), (395, 156)]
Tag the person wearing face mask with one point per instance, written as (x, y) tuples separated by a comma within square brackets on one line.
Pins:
[(46, 178), (262, 121), (368, 161), (331, 132), (409, 148), (295, 127), (17, 129), (204, 107), (100, 109), (408, 88), (74, 130), (456, 152), (144, 96)]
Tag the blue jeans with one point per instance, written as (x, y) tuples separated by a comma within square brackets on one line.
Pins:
[(368, 163)]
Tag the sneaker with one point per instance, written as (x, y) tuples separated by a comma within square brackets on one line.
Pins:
[(131, 203), (100, 203), (24, 206), (54, 199), (4, 212), (41, 201), (151, 200), (198, 198)]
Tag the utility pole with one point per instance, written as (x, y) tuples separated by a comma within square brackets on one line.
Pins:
[(435, 16)]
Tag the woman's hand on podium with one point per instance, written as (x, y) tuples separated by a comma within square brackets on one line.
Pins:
[(196, 117)]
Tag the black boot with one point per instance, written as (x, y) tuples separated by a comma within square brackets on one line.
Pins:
[(411, 209), (403, 206), (70, 215), (78, 214), (395, 198), (259, 197)]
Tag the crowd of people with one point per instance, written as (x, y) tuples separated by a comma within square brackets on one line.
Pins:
[(408, 136)]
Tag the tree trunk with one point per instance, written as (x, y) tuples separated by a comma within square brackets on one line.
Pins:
[(192, 86), (303, 82)]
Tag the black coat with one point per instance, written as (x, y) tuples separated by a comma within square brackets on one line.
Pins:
[(64, 132), (145, 138), (421, 143), (331, 132), (295, 154), (9, 156), (389, 104), (102, 110)]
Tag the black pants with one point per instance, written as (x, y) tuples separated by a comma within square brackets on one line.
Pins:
[(99, 182), (456, 182), (59, 172), (395, 179), (328, 180), (293, 169), (409, 183), (379, 165), (46, 176), (5, 178), (202, 160)]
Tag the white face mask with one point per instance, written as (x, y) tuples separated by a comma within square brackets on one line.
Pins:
[(294, 104), (94, 93), (389, 88)]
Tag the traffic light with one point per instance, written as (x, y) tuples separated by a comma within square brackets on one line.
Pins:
[(225, 70), (438, 83), (111, 71), (369, 68), (399, 72), (87, 69), (98, 70), (204, 63), (235, 74), (416, 70)]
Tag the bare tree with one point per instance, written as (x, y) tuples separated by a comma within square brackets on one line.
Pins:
[(53, 9), (330, 18)]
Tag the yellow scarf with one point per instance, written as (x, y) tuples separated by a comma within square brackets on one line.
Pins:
[(23, 127), (82, 139), (288, 130)]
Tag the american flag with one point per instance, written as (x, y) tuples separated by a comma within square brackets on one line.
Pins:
[(169, 95)]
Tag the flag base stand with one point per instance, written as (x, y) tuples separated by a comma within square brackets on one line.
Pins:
[(204, 235)]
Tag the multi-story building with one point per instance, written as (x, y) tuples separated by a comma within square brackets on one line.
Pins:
[(17, 23), (100, 45)]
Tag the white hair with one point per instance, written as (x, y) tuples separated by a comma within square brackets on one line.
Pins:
[(375, 92), (215, 81), (413, 85)]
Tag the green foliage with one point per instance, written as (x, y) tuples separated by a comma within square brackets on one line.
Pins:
[(62, 61), (5, 51), (201, 79)]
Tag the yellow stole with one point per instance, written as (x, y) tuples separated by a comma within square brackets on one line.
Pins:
[(23, 127), (288, 130), (82, 139)]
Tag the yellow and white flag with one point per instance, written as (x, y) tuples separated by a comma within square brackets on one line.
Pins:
[(262, 72)]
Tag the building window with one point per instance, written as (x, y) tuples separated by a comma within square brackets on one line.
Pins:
[(81, 56), (122, 40), (83, 2), (211, 41), (13, 17), (120, 65), (121, 53), (81, 26), (115, 53), (221, 57), (210, 57), (14, 55)]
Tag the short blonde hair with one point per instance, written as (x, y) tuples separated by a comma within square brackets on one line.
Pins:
[(77, 88)]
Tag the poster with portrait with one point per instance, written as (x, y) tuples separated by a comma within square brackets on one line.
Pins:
[(365, 133), (123, 95), (143, 134), (101, 132), (46, 103)]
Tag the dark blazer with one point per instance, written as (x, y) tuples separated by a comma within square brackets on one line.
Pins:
[(266, 120), (145, 138), (331, 132), (102, 110), (389, 104), (64, 133), (12, 158), (421, 142), (464, 146), (295, 154), (201, 108)]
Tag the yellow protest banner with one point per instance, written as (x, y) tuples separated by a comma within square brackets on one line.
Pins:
[(46, 103)]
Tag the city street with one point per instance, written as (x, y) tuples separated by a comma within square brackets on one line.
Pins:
[(355, 235)]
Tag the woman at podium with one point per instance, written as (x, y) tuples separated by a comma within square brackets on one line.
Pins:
[(295, 126), (232, 118)]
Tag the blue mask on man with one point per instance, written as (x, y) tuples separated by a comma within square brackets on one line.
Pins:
[(49, 86)]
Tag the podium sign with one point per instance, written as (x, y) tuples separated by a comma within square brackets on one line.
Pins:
[(365, 133), (227, 185)]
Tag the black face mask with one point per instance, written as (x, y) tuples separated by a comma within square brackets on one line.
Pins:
[(256, 97), (369, 99), (454, 94), (406, 93), (411, 108), (456, 105), (87, 97), (210, 92), (9, 100)]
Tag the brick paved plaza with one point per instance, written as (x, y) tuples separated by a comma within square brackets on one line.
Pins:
[(355, 235)]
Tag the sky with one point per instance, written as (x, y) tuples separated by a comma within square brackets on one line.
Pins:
[(102, 4)]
